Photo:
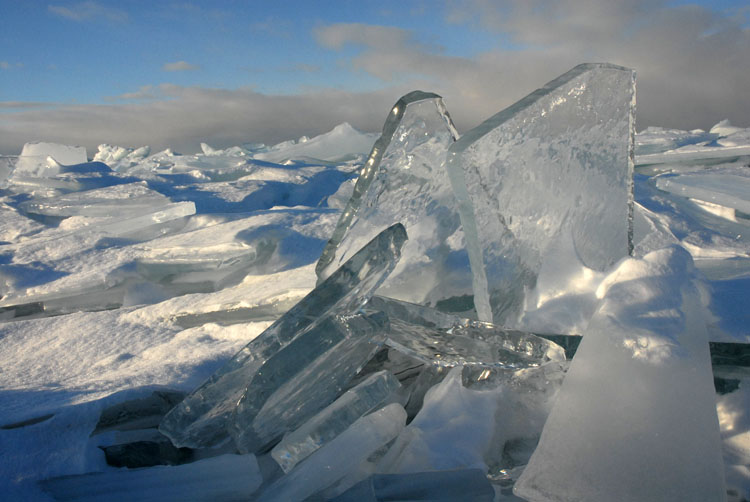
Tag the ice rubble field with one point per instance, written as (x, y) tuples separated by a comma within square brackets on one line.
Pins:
[(134, 272)]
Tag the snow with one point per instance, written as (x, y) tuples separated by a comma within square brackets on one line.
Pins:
[(253, 224)]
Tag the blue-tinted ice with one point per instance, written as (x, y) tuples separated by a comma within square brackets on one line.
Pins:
[(202, 418), (404, 180), (555, 166)]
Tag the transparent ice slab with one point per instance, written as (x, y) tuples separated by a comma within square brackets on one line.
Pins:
[(117, 202), (202, 418), (556, 164), (302, 378), (334, 419), (472, 343), (635, 418), (404, 180), (469, 485), (339, 457), (441, 339)]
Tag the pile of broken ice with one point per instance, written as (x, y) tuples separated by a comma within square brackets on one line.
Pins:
[(360, 391)]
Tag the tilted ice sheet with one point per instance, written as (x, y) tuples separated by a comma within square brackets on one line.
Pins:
[(334, 419), (202, 418), (404, 180), (636, 416), (557, 164), (302, 378)]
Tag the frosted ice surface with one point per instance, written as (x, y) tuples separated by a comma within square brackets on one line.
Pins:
[(339, 457), (404, 180), (635, 418), (202, 418), (305, 376), (557, 163), (469, 485), (334, 419), (451, 431), (7, 164), (723, 189)]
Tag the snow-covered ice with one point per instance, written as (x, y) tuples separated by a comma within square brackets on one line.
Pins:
[(103, 306)]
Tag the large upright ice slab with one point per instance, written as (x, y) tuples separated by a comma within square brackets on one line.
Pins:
[(404, 180), (555, 166), (635, 419), (202, 418)]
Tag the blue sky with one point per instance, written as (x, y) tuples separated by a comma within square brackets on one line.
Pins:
[(137, 72)]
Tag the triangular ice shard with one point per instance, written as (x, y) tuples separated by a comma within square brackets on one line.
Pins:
[(404, 180), (202, 418), (557, 162), (635, 419)]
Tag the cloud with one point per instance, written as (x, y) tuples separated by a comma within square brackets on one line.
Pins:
[(306, 68), (24, 104), (179, 66), (143, 92), (691, 62), (87, 11), (187, 116)]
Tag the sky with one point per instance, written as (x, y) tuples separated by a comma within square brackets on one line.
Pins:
[(225, 72)]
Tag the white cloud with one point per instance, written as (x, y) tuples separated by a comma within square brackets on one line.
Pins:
[(87, 11), (691, 62), (143, 92), (24, 104), (179, 66)]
